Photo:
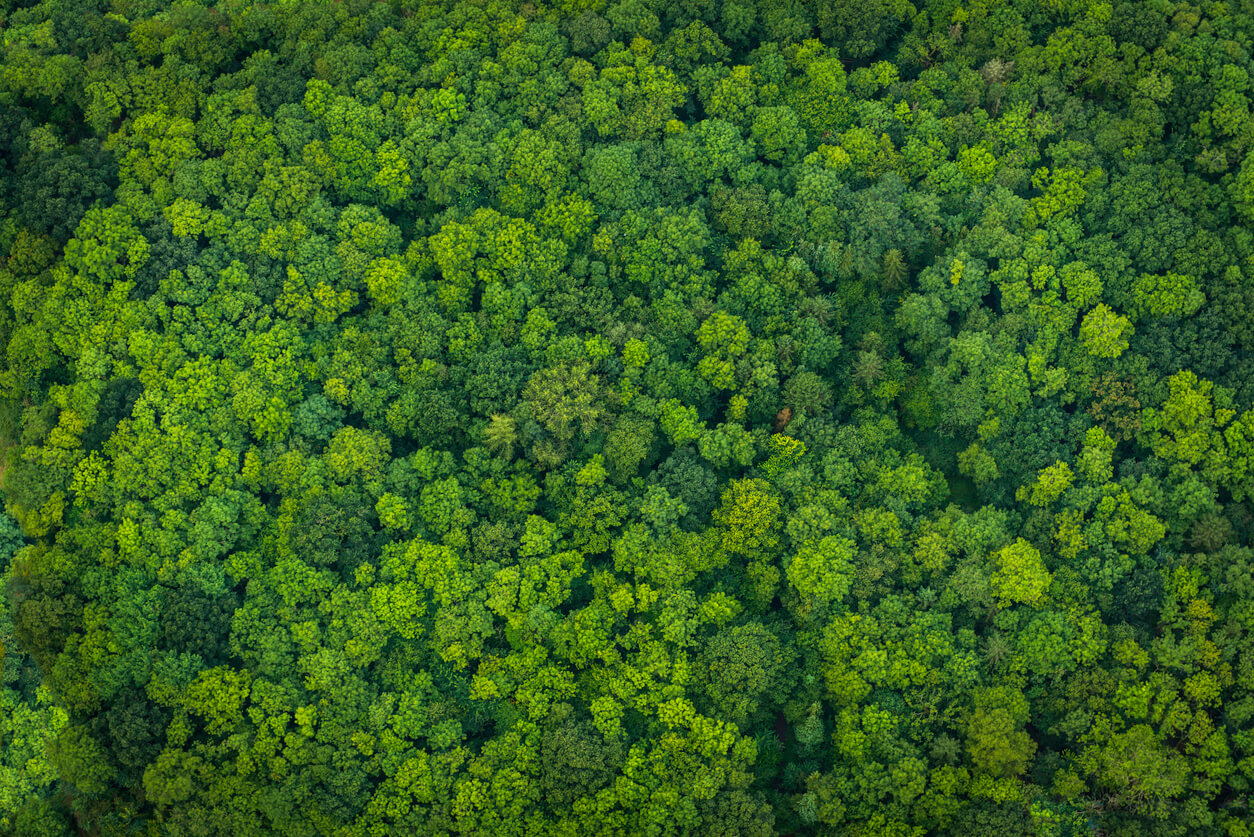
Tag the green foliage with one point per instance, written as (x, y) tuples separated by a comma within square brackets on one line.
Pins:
[(821, 573), (626, 417), (1019, 575), (749, 515), (738, 670), (1105, 333), (996, 742)]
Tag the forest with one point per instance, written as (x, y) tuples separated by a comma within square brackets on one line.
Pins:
[(639, 418)]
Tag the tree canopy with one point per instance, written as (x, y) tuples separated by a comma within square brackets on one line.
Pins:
[(627, 417)]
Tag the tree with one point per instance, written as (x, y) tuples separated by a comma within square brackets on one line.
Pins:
[(106, 246), (576, 760), (356, 453), (61, 184), (565, 399), (613, 177), (807, 391), (738, 668), (629, 446), (588, 33), (631, 96), (724, 338), (859, 32), (996, 741), (78, 756), (821, 573), (501, 434), (195, 622), (1172, 295), (749, 517), (1105, 333), (1133, 764), (1019, 575), (778, 132)]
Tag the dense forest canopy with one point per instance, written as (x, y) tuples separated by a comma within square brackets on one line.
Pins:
[(627, 417)]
